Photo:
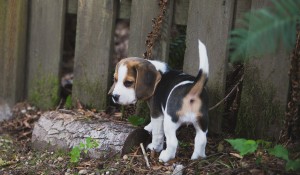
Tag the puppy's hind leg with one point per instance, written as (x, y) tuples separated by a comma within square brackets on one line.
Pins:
[(200, 143), (170, 132), (157, 129)]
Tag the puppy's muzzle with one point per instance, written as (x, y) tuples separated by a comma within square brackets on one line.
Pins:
[(115, 98)]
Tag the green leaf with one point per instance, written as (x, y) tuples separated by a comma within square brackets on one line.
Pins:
[(264, 144), (280, 152), (293, 165), (243, 146), (136, 121), (81, 145), (263, 31), (75, 154), (88, 142)]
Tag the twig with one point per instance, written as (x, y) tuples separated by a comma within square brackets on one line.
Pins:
[(145, 155), (232, 90), (66, 111)]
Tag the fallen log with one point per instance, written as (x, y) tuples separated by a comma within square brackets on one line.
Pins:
[(56, 130)]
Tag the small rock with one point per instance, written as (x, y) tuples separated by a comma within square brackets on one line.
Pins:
[(107, 172), (178, 170), (244, 164), (60, 159), (23, 111), (84, 171), (125, 157), (5, 111)]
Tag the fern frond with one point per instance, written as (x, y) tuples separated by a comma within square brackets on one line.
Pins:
[(263, 31)]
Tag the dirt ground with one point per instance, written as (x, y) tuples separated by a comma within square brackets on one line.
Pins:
[(17, 156)]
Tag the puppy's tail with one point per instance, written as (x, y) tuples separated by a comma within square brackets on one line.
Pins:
[(202, 76), (203, 59)]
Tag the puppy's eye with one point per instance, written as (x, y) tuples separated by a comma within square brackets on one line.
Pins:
[(128, 83)]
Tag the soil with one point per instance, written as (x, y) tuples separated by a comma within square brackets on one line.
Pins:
[(17, 156)]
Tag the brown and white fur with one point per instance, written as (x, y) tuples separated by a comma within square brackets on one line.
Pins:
[(173, 97)]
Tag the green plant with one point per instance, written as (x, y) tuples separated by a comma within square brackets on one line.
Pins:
[(136, 120), (245, 147), (68, 103), (76, 151), (262, 30), (281, 152)]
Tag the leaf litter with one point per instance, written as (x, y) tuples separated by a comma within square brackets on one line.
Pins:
[(17, 156)]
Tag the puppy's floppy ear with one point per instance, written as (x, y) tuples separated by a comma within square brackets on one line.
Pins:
[(147, 79)]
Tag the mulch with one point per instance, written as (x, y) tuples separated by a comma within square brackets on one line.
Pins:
[(17, 156)]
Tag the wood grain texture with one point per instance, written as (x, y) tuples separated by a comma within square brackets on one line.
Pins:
[(94, 42), (55, 130), (210, 21), (267, 83), (45, 51), (181, 8), (13, 30), (142, 13)]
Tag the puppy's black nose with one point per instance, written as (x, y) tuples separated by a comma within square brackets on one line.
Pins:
[(116, 97)]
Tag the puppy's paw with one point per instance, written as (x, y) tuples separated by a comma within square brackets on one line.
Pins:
[(148, 128), (155, 147), (165, 156), (197, 155)]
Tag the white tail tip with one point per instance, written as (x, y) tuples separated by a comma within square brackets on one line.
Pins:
[(203, 59)]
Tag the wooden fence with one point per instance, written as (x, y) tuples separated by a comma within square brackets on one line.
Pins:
[(31, 46)]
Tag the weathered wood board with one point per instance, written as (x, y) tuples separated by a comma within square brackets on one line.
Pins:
[(13, 30), (45, 43), (142, 13), (210, 21), (264, 94), (181, 8), (72, 6), (94, 42)]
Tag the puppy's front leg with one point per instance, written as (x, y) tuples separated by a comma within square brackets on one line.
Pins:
[(156, 127), (170, 132)]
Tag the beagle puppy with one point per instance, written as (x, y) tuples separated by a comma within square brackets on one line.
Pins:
[(173, 97)]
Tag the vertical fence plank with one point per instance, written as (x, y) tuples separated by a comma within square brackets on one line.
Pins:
[(210, 21), (142, 13), (13, 28), (264, 94), (45, 51), (181, 8), (94, 41)]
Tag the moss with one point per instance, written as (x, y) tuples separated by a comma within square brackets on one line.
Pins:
[(260, 114), (90, 93), (45, 93), (142, 110)]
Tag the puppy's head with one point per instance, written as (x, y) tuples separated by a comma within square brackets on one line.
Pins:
[(134, 79)]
